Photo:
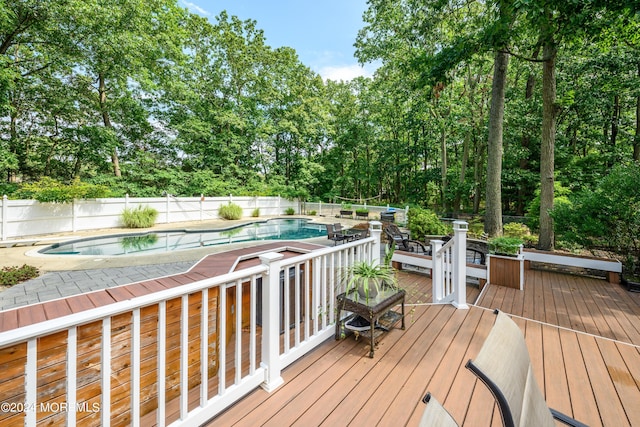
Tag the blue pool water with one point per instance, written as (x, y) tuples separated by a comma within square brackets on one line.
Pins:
[(175, 240)]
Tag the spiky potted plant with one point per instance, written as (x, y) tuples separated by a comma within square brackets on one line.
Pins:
[(365, 280)]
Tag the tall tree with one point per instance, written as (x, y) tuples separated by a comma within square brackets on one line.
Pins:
[(500, 36), (118, 47), (557, 24)]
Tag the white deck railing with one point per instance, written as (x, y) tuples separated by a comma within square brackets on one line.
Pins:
[(179, 356), (449, 268)]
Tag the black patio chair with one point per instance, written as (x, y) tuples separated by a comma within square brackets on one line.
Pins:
[(402, 241), (335, 236)]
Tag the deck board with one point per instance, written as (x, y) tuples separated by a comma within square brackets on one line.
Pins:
[(594, 379)]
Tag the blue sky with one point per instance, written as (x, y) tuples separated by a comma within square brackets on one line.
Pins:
[(321, 31)]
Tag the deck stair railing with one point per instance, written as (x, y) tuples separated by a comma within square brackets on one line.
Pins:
[(449, 268), (177, 356)]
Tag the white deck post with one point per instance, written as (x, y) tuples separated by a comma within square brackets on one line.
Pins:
[(437, 273), (375, 230), (271, 321), (460, 264)]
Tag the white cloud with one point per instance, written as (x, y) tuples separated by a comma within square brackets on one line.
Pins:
[(195, 8), (344, 72)]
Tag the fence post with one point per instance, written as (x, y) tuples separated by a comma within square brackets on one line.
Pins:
[(271, 309), (167, 208), (201, 206), (5, 213), (375, 230), (460, 264), (437, 273), (73, 215)]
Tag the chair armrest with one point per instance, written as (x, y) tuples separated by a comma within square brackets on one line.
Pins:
[(565, 419)]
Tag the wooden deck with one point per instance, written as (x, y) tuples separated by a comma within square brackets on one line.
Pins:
[(582, 335)]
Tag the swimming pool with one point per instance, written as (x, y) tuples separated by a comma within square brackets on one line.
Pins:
[(176, 240)]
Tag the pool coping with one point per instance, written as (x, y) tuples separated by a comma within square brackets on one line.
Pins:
[(16, 255), (37, 252)]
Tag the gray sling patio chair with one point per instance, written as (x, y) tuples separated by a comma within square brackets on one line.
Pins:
[(504, 366), (435, 415)]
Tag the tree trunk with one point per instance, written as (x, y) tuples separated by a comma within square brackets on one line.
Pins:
[(636, 142), (443, 167), (524, 192), (493, 215), (614, 121), (477, 176), (547, 166), (102, 93)]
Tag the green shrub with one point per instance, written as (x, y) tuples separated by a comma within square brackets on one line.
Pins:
[(560, 198), (313, 213), (230, 211), (504, 245), (424, 222), (516, 229), (10, 276), (520, 231), (290, 211), (362, 211), (607, 217), (49, 190), (476, 229), (140, 217), (255, 213)]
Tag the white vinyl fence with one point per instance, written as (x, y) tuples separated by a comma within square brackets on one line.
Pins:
[(23, 218)]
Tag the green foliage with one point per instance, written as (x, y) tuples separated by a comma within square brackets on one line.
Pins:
[(313, 213), (476, 229), (504, 245), (520, 231), (290, 211), (362, 211), (230, 211), (10, 276), (608, 217), (370, 277), (560, 199), (262, 122), (8, 189), (139, 217), (255, 213), (516, 229), (345, 206), (424, 222), (48, 190)]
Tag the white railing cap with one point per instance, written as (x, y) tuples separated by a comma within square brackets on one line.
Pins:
[(460, 225)]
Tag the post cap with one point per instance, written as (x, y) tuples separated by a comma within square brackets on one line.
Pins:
[(375, 225), (460, 225)]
